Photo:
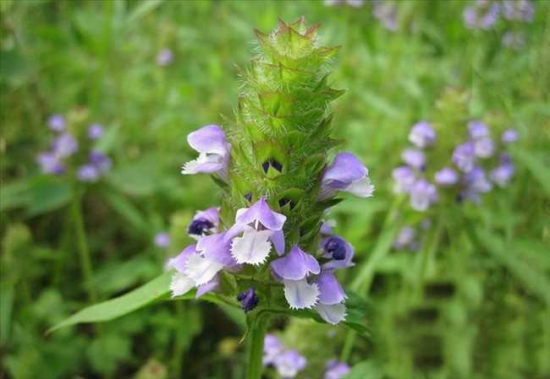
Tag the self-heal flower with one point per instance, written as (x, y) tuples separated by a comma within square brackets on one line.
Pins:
[(519, 10), (483, 14), (260, 227), (501, 175), (65, 145), (293, 269), (272, 348), (335, 369), (346, 174), (57, 123), (289, 364), (213, 150), (422, 134), (477, 129), (404, 177), (88, 173), (338, 251), (249, 300), (331, 297), (162, 240), (50, 164), (446, 177), (464, 156), (95, 131), (509, 136), (204, 222), (484, 147), (422, 195), (414, 158)]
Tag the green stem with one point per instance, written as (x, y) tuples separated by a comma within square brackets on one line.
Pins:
[(84, 252), (257, 328), (428, 253), (179, 343)]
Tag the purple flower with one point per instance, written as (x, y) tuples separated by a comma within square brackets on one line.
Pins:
[(249, 300), (346, 174), (162, 240), (386, 13), (50, 164), (88, 173), (339, 251), (414, 158), (482, 14), (95, 131), (404, 178), (165, 57), (422, 134), (484, 147), (213, 150), (331, 297), (335, 369), (289, 364), (57, 122), (272, 348), (65, 145), (513, 40), (477, 129), (520, 10), (181, 283), (260, 227), (446, 177), (464, 156), (351, 3), (293, 269), (501, 175), (423, 194), (474, 183), (102, 162), (509, 136), (204, 222), (405, 237)]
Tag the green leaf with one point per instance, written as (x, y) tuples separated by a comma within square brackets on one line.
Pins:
[(47, 196), (536, 166), (117, 307), (365, 370), (143, 9), (532, 278)]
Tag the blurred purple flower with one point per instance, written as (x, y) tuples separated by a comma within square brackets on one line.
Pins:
[(404, 177), (95, 131), (65, 145), (57, 122), (272, 348), (102, 162), (422, 134), (483, 14), (405, 237), (335, 369), (289, 363), (501, 175), (423, 194), (165, 57), (509, 136), (464, 156), (88, 173), (446, 177), (50, 164), (386, 13), (477, 129), (484, 147), (519, 10), (414, 158), (162, 240), (513, 40)]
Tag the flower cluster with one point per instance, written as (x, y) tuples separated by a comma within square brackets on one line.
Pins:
[(410, 237), (60, 158), (288, 363), (484, 14), (383, 10), (278, 186), (466, 178), (335, 369)]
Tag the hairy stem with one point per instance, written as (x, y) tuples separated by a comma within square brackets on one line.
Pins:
[(82, 242)]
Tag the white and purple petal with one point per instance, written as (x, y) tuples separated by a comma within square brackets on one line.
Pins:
[(330, 291), (346, 174), (252, 247), (300, 294), (333, 314), (295, 265)]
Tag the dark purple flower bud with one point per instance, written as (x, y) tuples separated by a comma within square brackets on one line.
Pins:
[(335, 247), (199, 227), (249, 300), (272, 163)]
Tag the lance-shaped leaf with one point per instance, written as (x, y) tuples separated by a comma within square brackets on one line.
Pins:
[(120, 306)]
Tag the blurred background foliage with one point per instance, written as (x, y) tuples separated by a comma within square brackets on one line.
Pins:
[(481, 309)]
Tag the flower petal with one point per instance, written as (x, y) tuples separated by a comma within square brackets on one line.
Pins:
[(253, 247), (212, 285), (296, 265), (180, 284), (330, 291), (204, 164), (209, 139), (333, 314), (260, 212), (361, 188), (278, 240), (346, 168), (216, 247), (300, 294), (201, 270), (179, 262)]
